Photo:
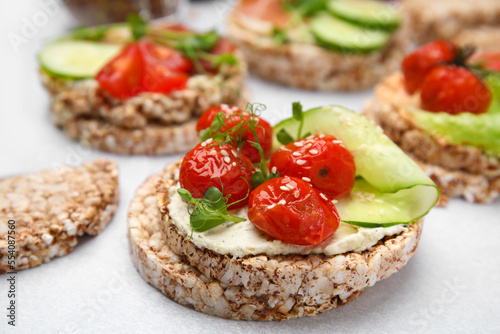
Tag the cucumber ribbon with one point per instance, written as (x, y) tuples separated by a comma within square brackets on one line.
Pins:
[(390, 188)]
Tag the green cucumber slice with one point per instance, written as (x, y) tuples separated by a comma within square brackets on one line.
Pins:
[(76, 59), (390, 189), (366, 13), (342, 36)]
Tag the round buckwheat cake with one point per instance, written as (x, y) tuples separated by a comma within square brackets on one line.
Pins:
[(251, 287), (52, 208), (427, 20), (458, 170), (150, 123), (310, 66)]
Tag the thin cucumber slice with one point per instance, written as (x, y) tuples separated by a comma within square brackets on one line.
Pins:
[(342, 36), (366, 13), (76, 59), (390, 189)]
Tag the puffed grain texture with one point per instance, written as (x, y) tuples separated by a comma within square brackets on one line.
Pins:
[(52, 208), (184, 283)]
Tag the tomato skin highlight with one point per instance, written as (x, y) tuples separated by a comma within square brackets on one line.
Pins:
[(205, 166), (417, 65), (263, 130), (322, 159), (453, 89), (300, 216), (144, 67)]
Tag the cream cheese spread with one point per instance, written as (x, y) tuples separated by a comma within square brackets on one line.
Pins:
[(241, 239)]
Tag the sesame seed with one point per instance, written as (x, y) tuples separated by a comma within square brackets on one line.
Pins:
[(382, 212), (310, 137), (224, 105), (296, 154), (334, 201), (298, 144), (274, 170), (203, 144), (362, 146), (378, 200), (224, 153), (234, 153), (322, 136), (306, 179), (283, 148), (323, 196), (313, 151), (282, 202), (234, 108), (234, 164), (301, 162), (226, 159), (337, 141), (271, 206), (284, 188), (396, 208), (212, 152), (209, 140), (308, 145), (296, 194), (289, 186)]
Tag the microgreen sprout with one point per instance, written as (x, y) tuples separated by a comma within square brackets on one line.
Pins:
[(283, 136)]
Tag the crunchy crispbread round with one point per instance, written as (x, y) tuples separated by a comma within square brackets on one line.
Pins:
[(150, 123), (53, 207), (313, 277), (185, 284), (458, 170), (309, 66), (428, 20), (484, 38)]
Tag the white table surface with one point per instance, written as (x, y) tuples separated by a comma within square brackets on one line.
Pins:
[(452, 284)]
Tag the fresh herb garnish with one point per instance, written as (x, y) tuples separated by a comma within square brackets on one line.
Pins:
[(209, 211), (283, 136), (90, 33), (279, 36), (138, 26)]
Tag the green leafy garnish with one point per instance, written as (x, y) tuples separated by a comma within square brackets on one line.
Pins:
[(90, 33), (209, 211), (283, 136), (138, 26), (279, 36)]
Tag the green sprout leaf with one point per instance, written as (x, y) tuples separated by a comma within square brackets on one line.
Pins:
[(284, 137), (90, 34), (279, 36), (209, 211), (138, 25), (225, 58)]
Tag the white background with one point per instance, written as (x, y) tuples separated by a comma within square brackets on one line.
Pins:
[(452, 284)]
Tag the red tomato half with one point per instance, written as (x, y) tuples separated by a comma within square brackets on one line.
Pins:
[(235, 116), (454, 89), (299, 215), (321, 160), (211, 165), (144, 67), (421, 62), (122, 76)]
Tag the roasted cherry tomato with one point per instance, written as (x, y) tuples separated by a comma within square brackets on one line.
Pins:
[(235, 116), (421, 62), (288, 209), (454, 89), (321, 160), (267, 10), (490, 61), (211, 165), (143, 66)]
